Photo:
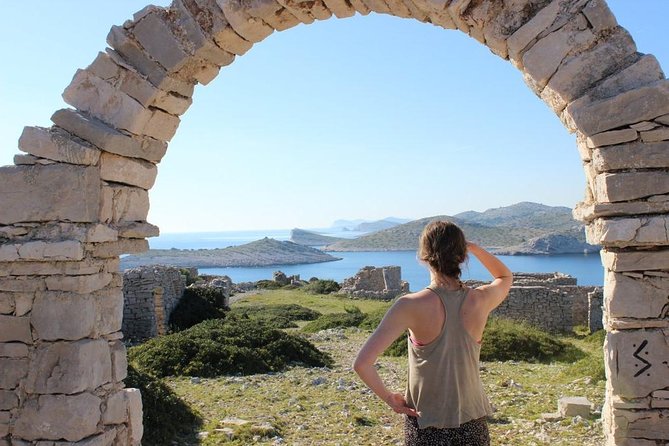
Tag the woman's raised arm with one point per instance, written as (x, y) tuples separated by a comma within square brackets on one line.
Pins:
[(495, 292)]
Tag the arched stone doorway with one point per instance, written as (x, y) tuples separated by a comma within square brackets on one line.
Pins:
[(78, 198)]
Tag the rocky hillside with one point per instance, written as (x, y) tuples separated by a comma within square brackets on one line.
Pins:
[(523, 228), (263, 252), (310, 238)]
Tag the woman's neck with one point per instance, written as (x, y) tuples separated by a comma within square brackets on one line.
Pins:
[(447, 282)]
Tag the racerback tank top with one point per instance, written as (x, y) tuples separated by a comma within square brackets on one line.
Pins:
[(443, 382)]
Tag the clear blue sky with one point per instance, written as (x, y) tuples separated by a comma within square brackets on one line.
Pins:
[(366, 117)]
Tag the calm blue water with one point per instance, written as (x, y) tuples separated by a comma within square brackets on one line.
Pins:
[(586, 268)]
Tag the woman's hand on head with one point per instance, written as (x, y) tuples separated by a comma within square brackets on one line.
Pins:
[(399, 405)]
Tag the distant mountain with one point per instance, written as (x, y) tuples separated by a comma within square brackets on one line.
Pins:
[(526, 215), (371, 226), (346, 223), (264, 252), (523, 228), (310, 238)]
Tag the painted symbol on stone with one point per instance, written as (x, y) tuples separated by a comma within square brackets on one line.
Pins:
[(636, 355), (664, 314)]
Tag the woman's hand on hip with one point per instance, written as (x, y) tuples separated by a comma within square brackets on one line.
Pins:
[(398, 404)]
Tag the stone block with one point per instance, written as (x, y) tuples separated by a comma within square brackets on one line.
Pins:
[(49, 251), (135, 427), (639, 427), (21, 285), (29, 192), (638, 298), (93, 95), (125, 79), (4, 427), (15, 329), (123, 204), (578, 74), (108, 138), (56, 144), (119, 361), (644, 126), (626, 186), (398, 9), (600, 16), (363, 9), (612, 137), (9, 253), (7, 303), (641, 104), (631, 156), (13, 370), (661, 134), (251, 29), (159, 42), (571, 406), (101, 233), (139, 230), (623, 232), (340, 8), (69, 367), (109, 314), (186, 27), (52, 316), (664, 120), (634, 362), (211, 20), (13, 350), (23, 303), (8, 400), (636, 260), (299, 11), (542, 61), (529, 32), (131, 171), (130, 52), (78, 284), (115, 249), (163, 126), (116, 409), (172, 103), (55, 417)]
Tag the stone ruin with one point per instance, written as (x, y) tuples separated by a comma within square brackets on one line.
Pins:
[(77, 197), (151, 293), (553, 302), (376, 283)]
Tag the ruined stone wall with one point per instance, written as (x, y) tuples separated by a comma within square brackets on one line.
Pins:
[(150, 293), (376, 283), (552, 301)]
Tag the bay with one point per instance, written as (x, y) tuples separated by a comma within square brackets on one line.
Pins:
[(586, 268)]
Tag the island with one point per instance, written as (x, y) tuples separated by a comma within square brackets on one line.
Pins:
[(264, 252)]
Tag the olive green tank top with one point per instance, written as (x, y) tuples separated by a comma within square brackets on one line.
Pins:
[(444, 383)]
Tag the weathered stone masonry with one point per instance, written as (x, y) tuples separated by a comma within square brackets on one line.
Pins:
[(77, 198), (150, 294)]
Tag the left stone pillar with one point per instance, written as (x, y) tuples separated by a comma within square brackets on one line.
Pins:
[(62, 361)]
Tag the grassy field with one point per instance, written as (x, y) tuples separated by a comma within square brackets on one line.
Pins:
[(330, 406)]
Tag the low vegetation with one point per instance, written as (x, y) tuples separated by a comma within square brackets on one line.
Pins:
[(322, 286), (197, 304), (225, 347), (166, 416), (249, 369)]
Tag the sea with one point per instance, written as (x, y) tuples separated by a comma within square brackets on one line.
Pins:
[(587, 268)]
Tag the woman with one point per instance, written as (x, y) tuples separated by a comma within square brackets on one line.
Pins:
[(445, 403)]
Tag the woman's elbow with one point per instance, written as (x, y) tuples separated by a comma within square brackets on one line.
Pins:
[(361, 363)]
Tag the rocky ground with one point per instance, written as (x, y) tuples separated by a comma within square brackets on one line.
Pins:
[(317, 406)]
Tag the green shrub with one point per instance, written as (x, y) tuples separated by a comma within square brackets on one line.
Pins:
[(268, 285), (335, 320), (321, 286), (592, 366), (276, 315), (596, 338), (373, 319), (165, 415), (197, 305), (398, 348), (509, 340), (224, 347), (190, 278)]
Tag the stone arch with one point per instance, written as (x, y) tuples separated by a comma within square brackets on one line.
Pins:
[(77, 198)]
